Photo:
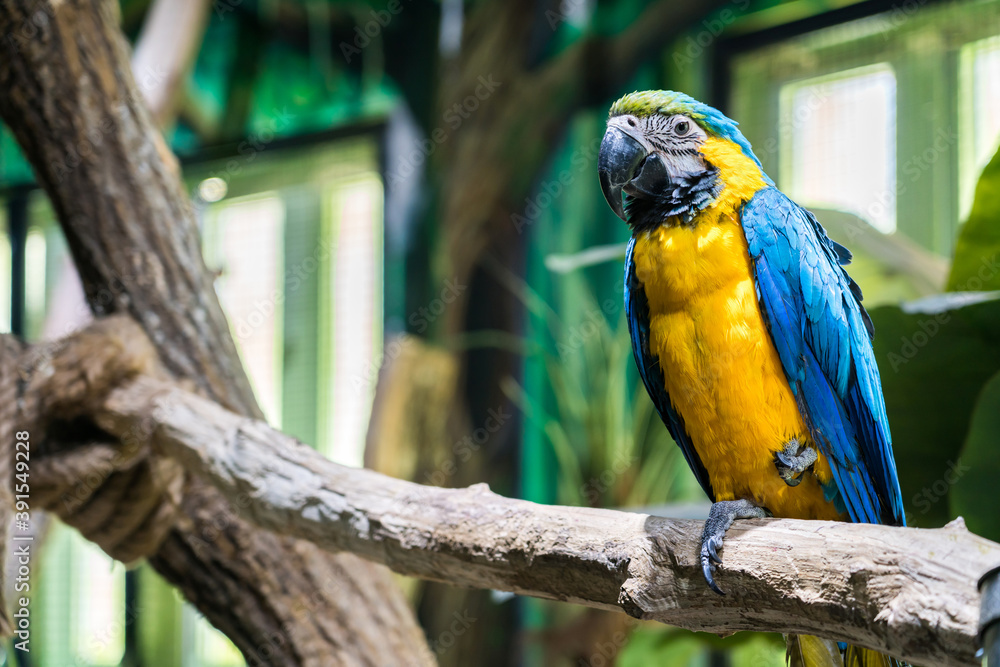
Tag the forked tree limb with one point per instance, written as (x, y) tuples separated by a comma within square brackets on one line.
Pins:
[(906, 591), (70, 98)]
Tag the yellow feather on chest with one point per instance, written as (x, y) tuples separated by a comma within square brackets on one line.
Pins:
[(721, 370)]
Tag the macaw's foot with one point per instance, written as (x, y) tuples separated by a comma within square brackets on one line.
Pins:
[(719, 520), (794, 460)]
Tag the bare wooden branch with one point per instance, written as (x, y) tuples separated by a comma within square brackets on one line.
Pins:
[(906, 591), (165, 50)]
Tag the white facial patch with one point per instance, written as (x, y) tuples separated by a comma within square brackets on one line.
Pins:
[(677, 139)]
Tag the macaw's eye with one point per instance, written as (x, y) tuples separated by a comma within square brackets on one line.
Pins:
[(631, 122), (682, 128)]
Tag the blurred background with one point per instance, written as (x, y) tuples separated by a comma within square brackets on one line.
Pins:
[(401, 204)]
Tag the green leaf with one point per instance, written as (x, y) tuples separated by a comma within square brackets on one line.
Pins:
[(973, 480), (934, 360), (976, 252)]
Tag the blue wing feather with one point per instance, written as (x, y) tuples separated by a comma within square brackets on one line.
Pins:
[(637, 315), (823, 338)]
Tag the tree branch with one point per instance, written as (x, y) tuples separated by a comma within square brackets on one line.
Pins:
[(905, 591), (165, 50), (72, 102)]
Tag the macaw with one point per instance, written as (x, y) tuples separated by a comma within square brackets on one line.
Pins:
[(748, 334)]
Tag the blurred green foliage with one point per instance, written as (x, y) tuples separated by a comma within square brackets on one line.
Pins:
[(939, 361), (975, 263), (934, 364), (610, 446), (974, 494), (662, 645)]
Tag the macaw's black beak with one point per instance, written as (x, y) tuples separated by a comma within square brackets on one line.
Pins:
[(617, 164), (625, 166)]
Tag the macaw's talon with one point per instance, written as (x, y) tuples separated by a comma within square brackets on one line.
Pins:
[(793, 461), (720, 518)]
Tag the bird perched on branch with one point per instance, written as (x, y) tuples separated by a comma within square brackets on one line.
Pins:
[(749, 335)]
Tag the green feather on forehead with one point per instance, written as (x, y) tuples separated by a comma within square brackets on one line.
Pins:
[(669, 102), (649, 102)]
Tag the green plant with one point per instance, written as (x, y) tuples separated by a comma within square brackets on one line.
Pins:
[(610, 445)]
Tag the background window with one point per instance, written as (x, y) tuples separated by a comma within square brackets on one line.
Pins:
[(244, 243), (295, 237), (980, 101), (841, 151), (80, 600), (910, 172), (5, 278), (352, 325)]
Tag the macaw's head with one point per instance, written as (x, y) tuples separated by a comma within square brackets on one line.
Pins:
[(658, 160)]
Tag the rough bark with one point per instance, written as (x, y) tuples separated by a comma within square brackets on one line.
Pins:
[(905, 591), (72, 103)]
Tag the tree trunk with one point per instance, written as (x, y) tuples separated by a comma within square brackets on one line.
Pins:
[(73, 105)]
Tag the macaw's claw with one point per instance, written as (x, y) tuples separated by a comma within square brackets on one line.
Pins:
[(720, 518), (793, 461)]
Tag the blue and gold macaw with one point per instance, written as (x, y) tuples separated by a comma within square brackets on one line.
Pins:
[(749, 336)]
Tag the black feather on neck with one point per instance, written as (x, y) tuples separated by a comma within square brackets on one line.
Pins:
[(679, 203)]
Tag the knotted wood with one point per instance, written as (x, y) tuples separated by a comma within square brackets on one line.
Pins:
[(71, 101)]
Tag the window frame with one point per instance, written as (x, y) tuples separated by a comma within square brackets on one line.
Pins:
[(928, 204)]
